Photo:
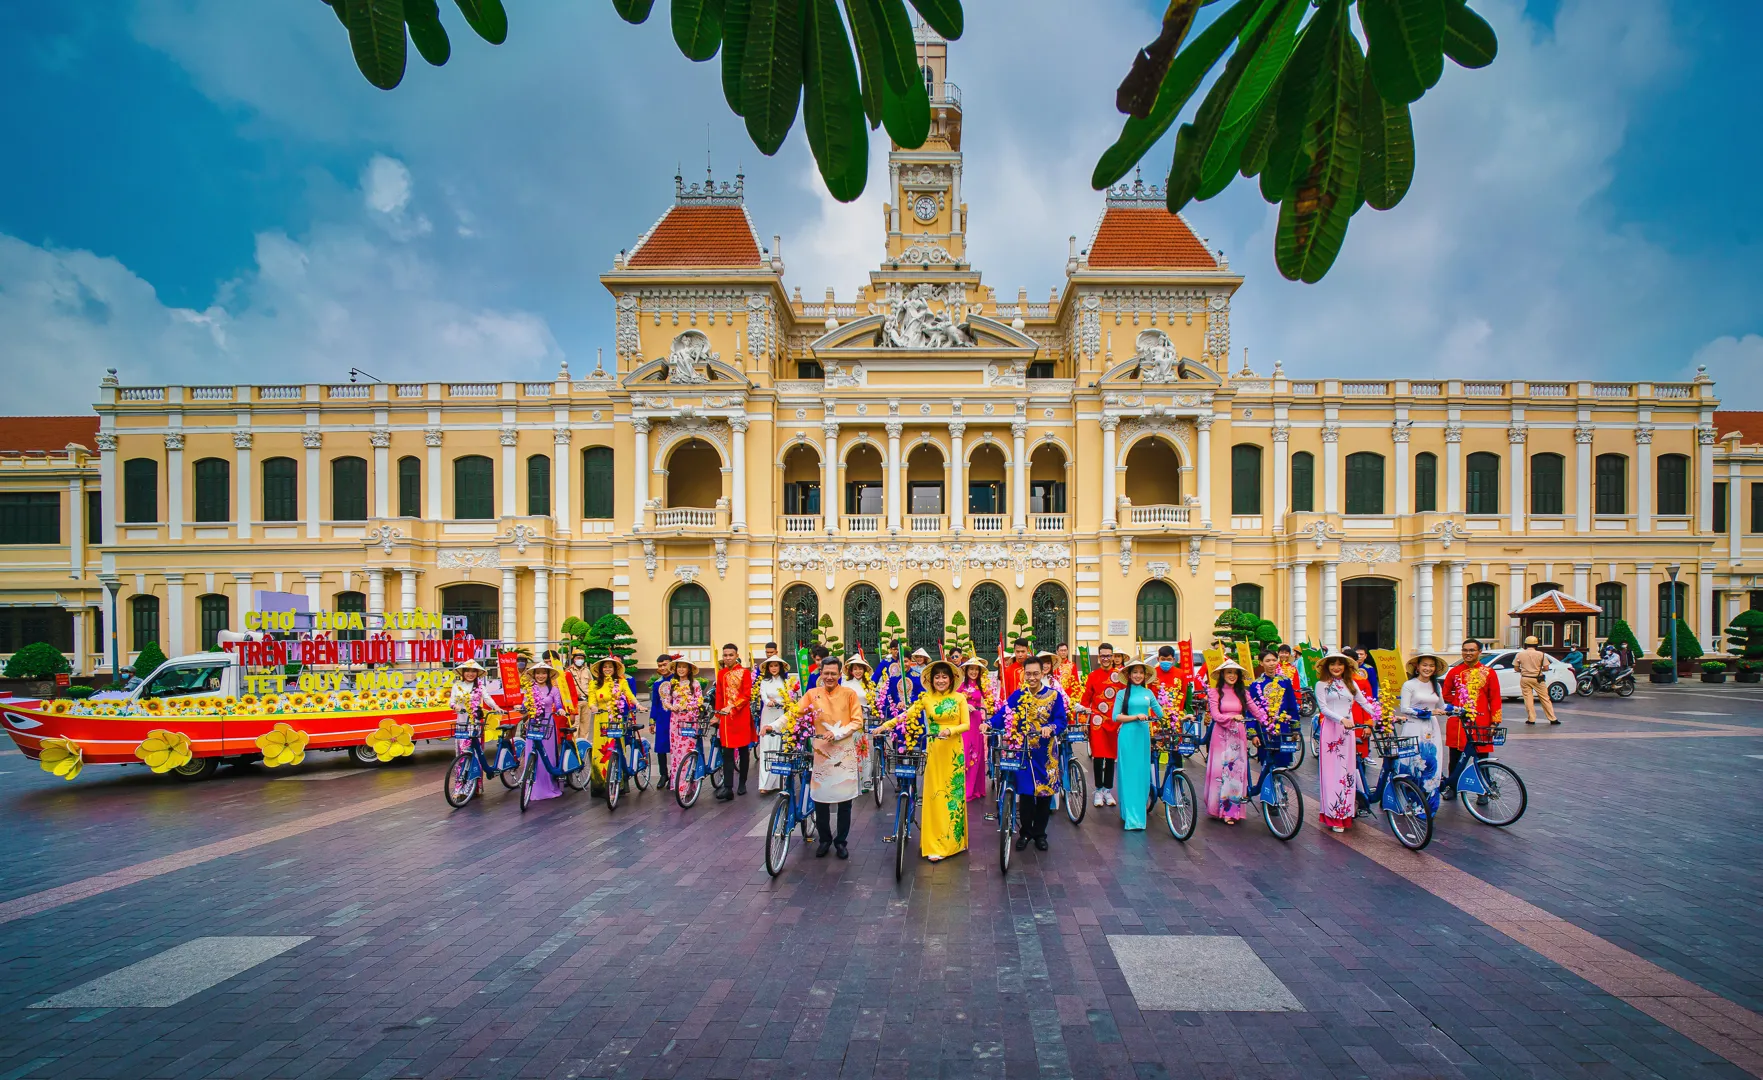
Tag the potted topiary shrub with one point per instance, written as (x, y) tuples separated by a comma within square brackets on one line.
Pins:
[(1662, 671), (1713, 671), (1749, 671), (1744, 639)]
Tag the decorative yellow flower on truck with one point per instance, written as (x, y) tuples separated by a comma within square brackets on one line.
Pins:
[(61, 757), (392, 740), (164, 750), (282, 745)]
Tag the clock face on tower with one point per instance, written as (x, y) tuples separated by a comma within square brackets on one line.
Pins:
[(925, 209)]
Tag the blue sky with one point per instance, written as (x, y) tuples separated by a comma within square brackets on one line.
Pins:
[(206, 191)]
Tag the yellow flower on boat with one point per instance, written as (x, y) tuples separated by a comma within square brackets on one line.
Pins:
[(297, 701), (164, 750), (282, 745), (270, 703), (61, 707), (227, 704), (61, 757), (392, 740), (249, 701), (154, 706)]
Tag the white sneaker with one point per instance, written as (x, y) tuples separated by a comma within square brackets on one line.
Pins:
[(1111, 801), (1099, 801)]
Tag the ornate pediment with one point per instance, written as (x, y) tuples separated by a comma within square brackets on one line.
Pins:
[(985, 335), (1155, 363), (690, 363)]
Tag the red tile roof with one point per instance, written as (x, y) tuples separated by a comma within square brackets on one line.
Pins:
[(47, 433), (1749, 425), (1146, 238), (699, 236), (1556, 602)]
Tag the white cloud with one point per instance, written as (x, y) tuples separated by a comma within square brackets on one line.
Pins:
[(1734, 362)]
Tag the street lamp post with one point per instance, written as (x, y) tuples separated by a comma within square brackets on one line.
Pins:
[(113, 585), (1672, 627)]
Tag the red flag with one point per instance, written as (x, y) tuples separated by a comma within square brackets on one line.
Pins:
[(508, 666)]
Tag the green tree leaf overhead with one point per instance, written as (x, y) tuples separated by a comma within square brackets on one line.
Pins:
[(697, 27), (376, 35), (771, 72), (487, 17)]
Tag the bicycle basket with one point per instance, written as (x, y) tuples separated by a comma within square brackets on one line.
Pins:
[(786, 766), (1397, 746), (688, 731), (908, 766), (1076, 734), (1012, 760), (1485, 734), (1288, 746), (612, 731)]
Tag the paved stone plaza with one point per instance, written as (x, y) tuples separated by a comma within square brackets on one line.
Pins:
[(344, 922)]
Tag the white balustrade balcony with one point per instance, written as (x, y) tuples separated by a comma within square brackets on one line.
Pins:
[(863, 523), (1048, 523), (798, 524), (1157, 514), (925, 523), (987, 523), (687, 517)]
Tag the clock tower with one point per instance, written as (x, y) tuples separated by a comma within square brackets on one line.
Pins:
[(927, 221)]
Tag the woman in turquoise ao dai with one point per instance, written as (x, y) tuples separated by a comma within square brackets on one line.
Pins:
[(1133, 710)]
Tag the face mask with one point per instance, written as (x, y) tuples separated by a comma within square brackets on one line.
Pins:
[(579, 662), (1165, 665)]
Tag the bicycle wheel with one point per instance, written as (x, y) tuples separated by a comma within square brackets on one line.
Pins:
[(511, 775), (777, 836), (1076, 791), (1299, 754), (715, 768), (641, 775), (528, 775), (1284, 813), (1506, 797), (1179, 805), (686, 780), (1006, 833), (614, 779), (880, 775), (578, 777), (1409, 821), (810, 825), (902, 832), (461, 782)]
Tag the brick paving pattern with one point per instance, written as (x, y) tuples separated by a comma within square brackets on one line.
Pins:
[(650, 943)]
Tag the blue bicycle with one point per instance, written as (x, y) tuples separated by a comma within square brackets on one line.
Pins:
[(908, 767), (629, 759), (703, 760), (1071, 771), (1398, 795), (473, 762), (1005, 764), (571, 767), (1172, 786), (1282, 804), (1491, 792), (795, 807)]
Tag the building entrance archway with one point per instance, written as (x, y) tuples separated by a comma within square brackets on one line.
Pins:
[(1368, 613)]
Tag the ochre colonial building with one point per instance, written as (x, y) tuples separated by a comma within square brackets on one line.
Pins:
[(748, 460)]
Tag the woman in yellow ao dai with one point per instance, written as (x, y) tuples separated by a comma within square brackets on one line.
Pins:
[(942, 711)]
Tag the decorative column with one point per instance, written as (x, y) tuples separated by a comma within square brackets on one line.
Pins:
[(1584, 479), (1423, 606), (381, 438), (1331, 604), (894, 429), (431, 508), (407, 597), (1643, 606), (1300, 600), (1705, 483), (1203, 463), (1643, 455), (1399, 437), (831, 501), (1705, 628), (80, 649), (1514, 598), (174, 615), (509, 481), (541, 608), (1331, 468), (242, 483), (562, 517), (174, 487), (1282, 470), (957, 475), (640, 485), (738, 511), (1453, 468), (1582, 576), (1019, 474), (314, 588), (111, 498), (508, 607), (76, 521), (1733, 491), (376, 592), (1454, 605), (1110, 500), (312, 439), (1515, 435)]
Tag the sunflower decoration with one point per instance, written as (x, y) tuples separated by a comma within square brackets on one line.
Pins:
[(282, 745), (61, 757), (249, 701), (271, 704), (297, 701), (164, 750), (228, 704), (392, 740), (153, 706), (60, 707)]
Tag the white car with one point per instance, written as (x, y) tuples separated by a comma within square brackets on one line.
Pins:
[(1559, 678)]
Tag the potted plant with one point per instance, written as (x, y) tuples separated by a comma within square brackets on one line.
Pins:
[(1744, 639), (1749, 671), (1662, 671), (1713, 671)]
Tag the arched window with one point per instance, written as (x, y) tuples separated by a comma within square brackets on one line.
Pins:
[(597, 482), (863, 622), (688, 616), (1157, 612), (281, 489), (1608, 596), (349, 489), (1547, 484), (1246, 597), (1666, 589), (1052, 615), (798, 622), (140, 490), (1674, 484), (1365, 483), (1480, 613), (538, 486), (1482, 484), (1245, 479), (986, 618), (595, 603), (214, 490), (1612, 484), (1303, 482), (409, 487), (694, 474), (478, 604), (144, 621), (474, 487), (924, 619), (214, 608), (1426, 483), (1542, 587), (352, 603), (1153, 473)]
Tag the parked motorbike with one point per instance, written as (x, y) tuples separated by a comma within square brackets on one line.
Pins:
[(1602, 677)]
